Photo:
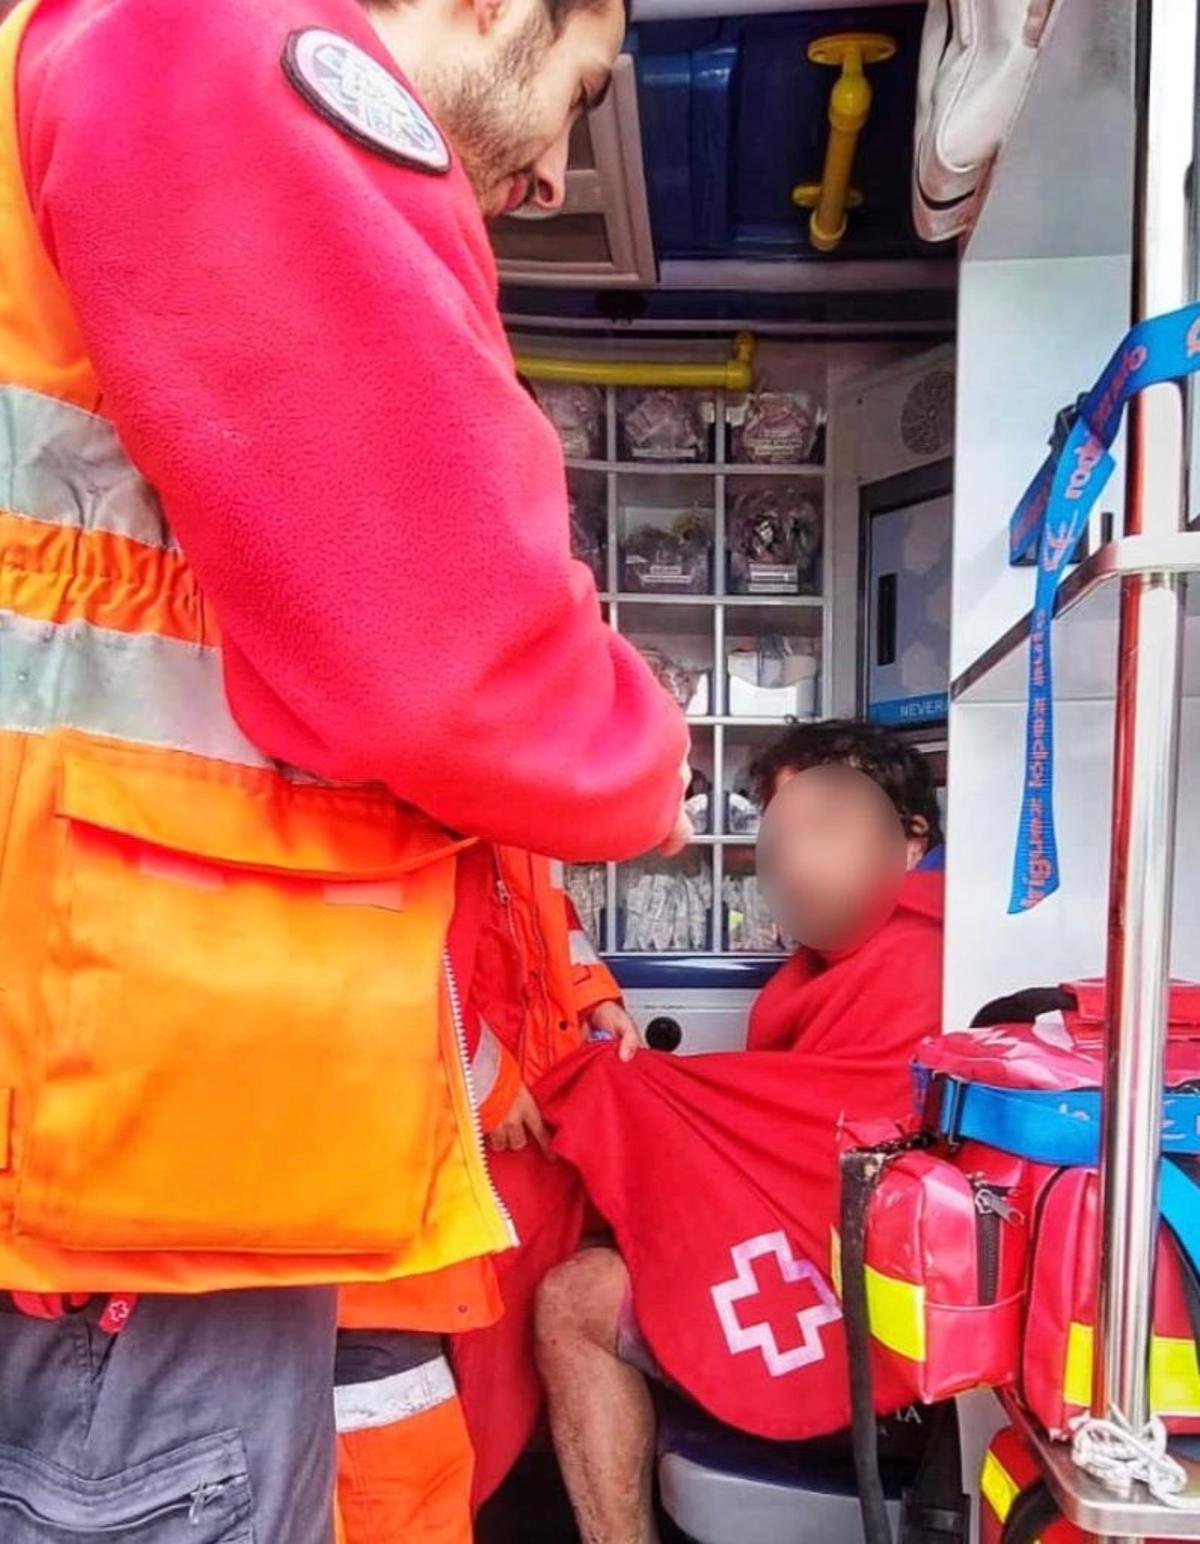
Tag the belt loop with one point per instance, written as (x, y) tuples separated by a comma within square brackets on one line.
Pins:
[(944, 1101)]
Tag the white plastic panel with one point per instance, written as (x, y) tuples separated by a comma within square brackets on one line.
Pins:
[(990, 953), (710, 1021), (602, 234), (1032, 336)]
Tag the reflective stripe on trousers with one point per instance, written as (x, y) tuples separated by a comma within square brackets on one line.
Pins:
[(383, 1402)]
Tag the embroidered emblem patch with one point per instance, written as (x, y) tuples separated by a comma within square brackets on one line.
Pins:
[(357, 95)]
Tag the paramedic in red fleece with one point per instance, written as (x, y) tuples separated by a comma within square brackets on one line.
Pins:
[(252, 235), (718, 1174)]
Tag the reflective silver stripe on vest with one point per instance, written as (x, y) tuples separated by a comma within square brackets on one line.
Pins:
[(66, 467), (485, 1065), (360, 1406), (582, 949), (128, 686)]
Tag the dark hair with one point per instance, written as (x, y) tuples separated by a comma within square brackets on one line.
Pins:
[(902, 772), (561, 11)]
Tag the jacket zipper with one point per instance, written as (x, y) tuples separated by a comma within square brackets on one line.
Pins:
[(193, 1504), (504, 896), (547, 1013), (991, 1211), (464, 1058)]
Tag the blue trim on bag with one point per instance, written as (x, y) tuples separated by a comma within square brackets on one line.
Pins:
[(1063, 1129), (1046, 1126)]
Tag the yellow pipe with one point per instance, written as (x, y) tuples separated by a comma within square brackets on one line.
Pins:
[(849, 107), (735, 375)]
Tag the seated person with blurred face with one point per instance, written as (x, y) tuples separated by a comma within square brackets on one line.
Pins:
[(718, 1174)]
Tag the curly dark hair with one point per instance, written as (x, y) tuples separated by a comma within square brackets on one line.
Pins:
[(900, 770)]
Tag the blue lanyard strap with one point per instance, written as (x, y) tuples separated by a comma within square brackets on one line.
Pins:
[(1051, 518)]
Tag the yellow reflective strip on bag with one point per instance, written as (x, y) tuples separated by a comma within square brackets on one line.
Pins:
[(1174, 1373), (1077, 1374), (895, 1308), (1174, 1376), (998, 1487)]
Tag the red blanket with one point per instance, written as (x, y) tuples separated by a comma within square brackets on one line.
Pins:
[(718, 1175)]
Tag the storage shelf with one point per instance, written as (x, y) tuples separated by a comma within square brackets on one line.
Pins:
[(674, 956), (730, 602), (1086, 668), (724, 839), (699, 631), (1092, 1506), (742, 721), (798, 472)]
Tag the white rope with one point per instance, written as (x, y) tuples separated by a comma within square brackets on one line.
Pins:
[(1116, 1455)]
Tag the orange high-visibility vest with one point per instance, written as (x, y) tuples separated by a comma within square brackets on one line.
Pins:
[(229, 1048), (564, 976), (536, 982)]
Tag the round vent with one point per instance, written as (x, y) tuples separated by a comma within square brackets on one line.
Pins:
[(927, 417)]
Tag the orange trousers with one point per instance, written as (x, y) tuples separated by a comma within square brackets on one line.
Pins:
[(407, 1483)]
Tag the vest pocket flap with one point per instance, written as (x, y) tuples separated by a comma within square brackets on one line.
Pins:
[(246, 817), (244, 1036)]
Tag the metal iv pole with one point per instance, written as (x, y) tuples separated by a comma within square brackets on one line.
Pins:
[(1147, 729)]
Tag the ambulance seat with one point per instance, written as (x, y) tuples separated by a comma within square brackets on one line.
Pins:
[(720, 1486)]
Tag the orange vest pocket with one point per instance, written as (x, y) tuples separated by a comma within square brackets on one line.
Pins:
[(240, 1055)]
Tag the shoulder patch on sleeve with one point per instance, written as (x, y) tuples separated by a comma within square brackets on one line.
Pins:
[(365, 101)]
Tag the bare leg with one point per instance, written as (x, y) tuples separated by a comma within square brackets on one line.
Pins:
[(600, 1409)]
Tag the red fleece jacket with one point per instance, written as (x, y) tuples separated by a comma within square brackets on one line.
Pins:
[(299, 343)]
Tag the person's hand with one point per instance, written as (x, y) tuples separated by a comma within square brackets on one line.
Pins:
[(610, 1021), (683, 831), (524, 1120), (681, 835)]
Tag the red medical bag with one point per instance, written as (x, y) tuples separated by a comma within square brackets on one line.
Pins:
[(981, 1238), (946, 1246), (1009, 1469), (1056, 1361)]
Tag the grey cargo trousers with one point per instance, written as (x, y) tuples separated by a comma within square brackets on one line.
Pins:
[(207, 1420)]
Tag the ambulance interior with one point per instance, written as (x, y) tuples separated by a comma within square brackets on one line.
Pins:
[(792, 463)]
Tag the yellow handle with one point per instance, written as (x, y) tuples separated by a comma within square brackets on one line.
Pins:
[(735, 375), (849, 107)]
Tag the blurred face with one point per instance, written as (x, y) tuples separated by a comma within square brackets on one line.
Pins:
[(508, 102), (832, 854)]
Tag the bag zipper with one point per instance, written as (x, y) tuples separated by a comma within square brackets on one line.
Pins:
[(193, 1504), (991, 1210), (464, 1058)]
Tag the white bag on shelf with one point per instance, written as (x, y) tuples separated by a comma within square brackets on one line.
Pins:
[(976, 59), (766, 685)]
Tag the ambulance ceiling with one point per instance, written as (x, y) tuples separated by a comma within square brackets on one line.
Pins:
[(681, 185)]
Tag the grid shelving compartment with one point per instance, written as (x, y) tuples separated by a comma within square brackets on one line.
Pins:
[(657, 534)]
